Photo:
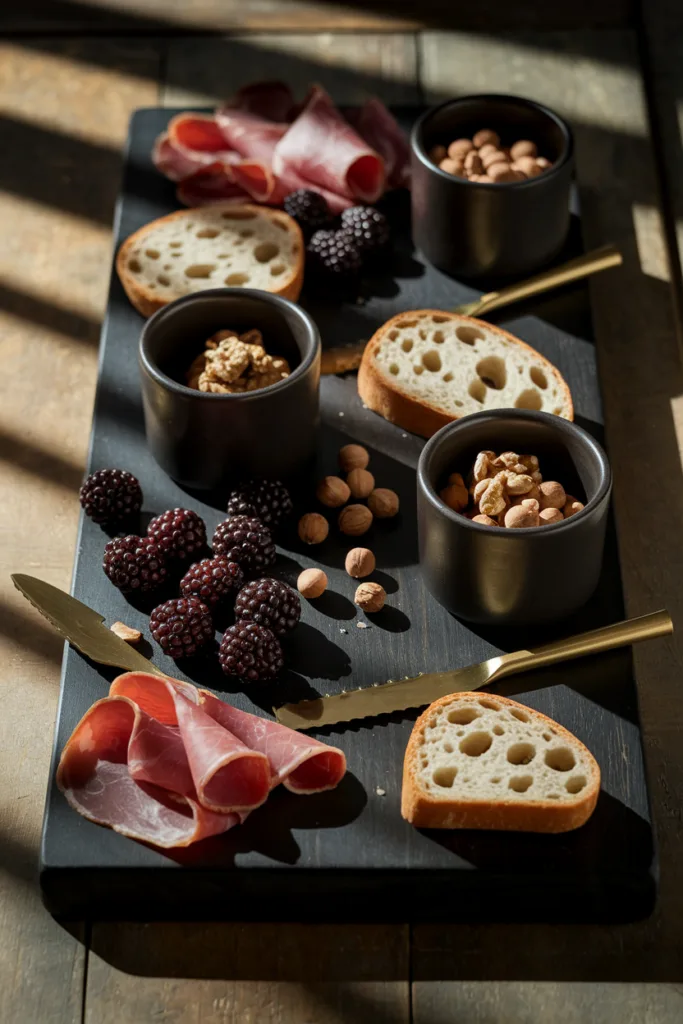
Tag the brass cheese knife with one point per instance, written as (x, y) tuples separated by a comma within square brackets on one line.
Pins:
[(383, 698)]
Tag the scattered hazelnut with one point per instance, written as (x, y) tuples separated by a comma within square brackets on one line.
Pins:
[(455, 495), (383, 503), (313, 528), (370, 597), (484, 520), (360, 562), (438, 153), (552, 494), (473, 163), (311, 583), (353, 456), (332, 491), (523, 148), (355, 520), (361, 482), (521, 517), (550, 515), (127, 633), (459, 149), (572, 506), (486, 137)]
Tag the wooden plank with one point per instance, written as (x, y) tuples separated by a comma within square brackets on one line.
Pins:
[(594, 80), (314, 973), (53, 274)]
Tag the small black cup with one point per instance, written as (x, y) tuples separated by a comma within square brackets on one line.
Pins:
[(205, 440), (493, 575), (471, 229)]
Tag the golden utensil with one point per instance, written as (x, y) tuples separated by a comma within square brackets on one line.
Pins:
[(383, 698), (583, 266)]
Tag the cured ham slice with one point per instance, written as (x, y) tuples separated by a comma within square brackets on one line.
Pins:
[(200, 136), (270, 100), (301, 763), (212, 184), (380, 129), (323, 149)]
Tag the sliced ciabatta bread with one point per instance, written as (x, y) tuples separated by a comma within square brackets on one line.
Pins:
[(212, 247), (475, 761), (425, 368)]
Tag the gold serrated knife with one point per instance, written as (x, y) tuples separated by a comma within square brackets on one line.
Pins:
[(383, 698)]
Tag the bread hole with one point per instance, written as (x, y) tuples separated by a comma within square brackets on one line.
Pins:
[(153, 254), (465, 781), (394, 369), (208, 233), (547, 737), (200, 270), (237, 279), (422, 335), (457, 401), (445, 776), (407, 344), (134, 266), (393, 335), (175, 245), (553, 796), (223, 256), (575, 784), (557, 411), (476, 744), (404, 324), (560, 759), (238, 215), (462, 716), (247, 233), (151, 286), (162, 279), (431, 361), (499, 730), (189, 226), (520, 783), (266, 251), (521, 753), (438, 337), (521, 716), (440, 319), (477, 390), (277, 269), (492, 371), (447, 378), (538, 377), (496, 780), (448, 747), (167, 266), (176, 255), (490, 705), (468, 335), (417, 370), (529, 399)]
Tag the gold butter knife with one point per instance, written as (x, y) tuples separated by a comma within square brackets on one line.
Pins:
[(383, 698)]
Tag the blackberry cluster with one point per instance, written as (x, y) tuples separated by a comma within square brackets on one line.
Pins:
[(180, 533), (267, 500), (368, 227), (269, 603), (251, 652), (134, 564), (212, 580), (309, 209), (245, 540), (181, 626), (335, 255), (110, 495)]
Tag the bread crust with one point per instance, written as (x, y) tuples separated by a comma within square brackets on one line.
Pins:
[(418, 416), (147, 302), (424, 811)]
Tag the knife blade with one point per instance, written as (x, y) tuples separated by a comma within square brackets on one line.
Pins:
[(81, 626)]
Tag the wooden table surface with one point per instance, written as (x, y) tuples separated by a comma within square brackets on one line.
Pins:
[(70, 75)]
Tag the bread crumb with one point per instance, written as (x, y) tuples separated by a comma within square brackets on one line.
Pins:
[(341, 413), (127, 633), (362, 625), (380, 792), (404, 435), (343, 630)]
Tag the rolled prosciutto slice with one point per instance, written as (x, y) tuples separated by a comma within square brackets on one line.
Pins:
[(380, 129), (322, 148)]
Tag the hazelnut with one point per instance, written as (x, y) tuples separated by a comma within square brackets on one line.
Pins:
[(353, 456), (311, 583), (552, 494), (370, 597), (523, 148), (360, 562), (456, 167), (332, 491), (572, 506), (484, 520), (127, 633), (521, 517), (437, 154), (531, 503), (383, 503), (459, 149), (361, 482), (483, 178), (456, 495), (550, 515), (543, 163), (354, 520), (502, 173), (528, 166), (491, 157), (486, 137), (473, 163), (486, 149), (313, 528)]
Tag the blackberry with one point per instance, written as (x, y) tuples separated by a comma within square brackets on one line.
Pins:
[(269, 603), (212, 580), (309, 209), (334, 254), (367, 226), (134, 564), (181, 626), (245, 540), (251, 652), (180, 533), (267, 500), (110, 495)]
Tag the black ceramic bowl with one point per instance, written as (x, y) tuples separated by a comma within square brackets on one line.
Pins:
[(204, 440), (474, 230), (496, 575)]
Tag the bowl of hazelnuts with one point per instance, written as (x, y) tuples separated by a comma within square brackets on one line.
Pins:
[(490, 185), (512, 513)]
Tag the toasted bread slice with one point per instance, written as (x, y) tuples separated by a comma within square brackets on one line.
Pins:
[(212, 247), (475, 761), (424, 368)]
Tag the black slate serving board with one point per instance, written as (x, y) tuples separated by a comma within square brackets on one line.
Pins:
[(349, 854)]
